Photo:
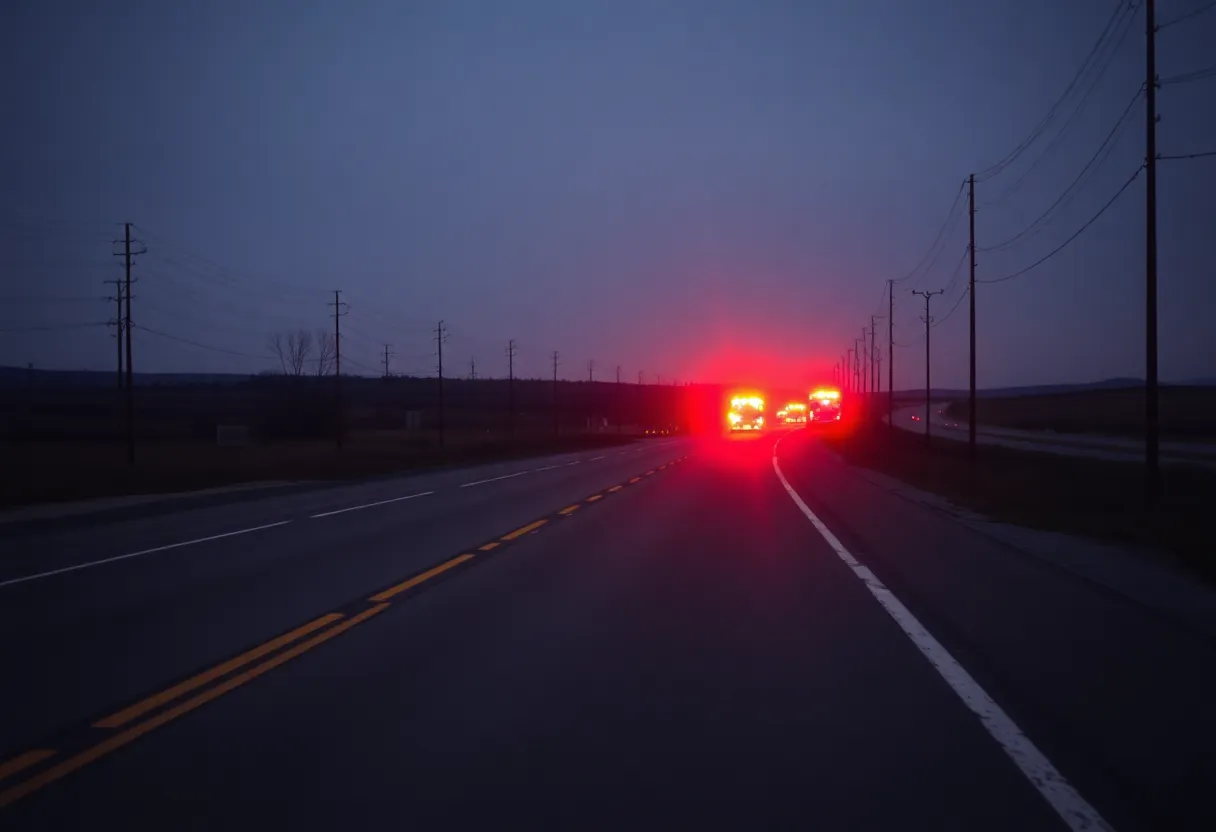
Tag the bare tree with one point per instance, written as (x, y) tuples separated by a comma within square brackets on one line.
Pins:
[(292, 350), (325, 352)]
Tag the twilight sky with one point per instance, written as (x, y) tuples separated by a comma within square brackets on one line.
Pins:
[(698, 189)]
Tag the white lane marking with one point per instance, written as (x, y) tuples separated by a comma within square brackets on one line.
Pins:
[(494, 479), (597, 458), (1073, 809), (546, 468), (576, 462), (103, 561), (370, 505)]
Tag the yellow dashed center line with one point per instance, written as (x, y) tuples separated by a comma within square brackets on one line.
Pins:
[(635, 479), (136, 731), (531, 527), (417, 579), (615, 489), (651, 471), (23, 761), (124, 716), (487, 547), (592, 499), (568, 510)]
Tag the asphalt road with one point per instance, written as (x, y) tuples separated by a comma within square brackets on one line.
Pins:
[(679, 640), (1109, 448)]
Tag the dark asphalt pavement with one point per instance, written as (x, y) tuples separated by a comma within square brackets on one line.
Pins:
[(686, 647)]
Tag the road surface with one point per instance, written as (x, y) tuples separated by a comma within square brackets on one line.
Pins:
[(1110, 448), (736, 631)]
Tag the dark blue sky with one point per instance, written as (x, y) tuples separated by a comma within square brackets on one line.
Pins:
[(697, 189)]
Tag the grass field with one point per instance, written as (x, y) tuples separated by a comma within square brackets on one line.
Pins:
[(1098, 499), (1186, 412), (37, 472)]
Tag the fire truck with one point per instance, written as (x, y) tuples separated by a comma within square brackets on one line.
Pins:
[(823, 405), (746, 413)]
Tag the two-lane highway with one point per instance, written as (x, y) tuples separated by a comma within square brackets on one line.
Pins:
[(736, 631)]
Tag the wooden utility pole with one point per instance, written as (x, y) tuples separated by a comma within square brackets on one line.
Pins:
[(971, 301), (928, 325), (511, 386), (118, 326), (891, 354), (440, 337), (128, 254), (556, 422), (339, 311), (388, 354), (1151, 449)]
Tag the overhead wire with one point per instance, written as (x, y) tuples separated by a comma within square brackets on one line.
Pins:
[(1186, 77), (1105, 146), (51, 327), (951, 219), (957, 303), (1202, 155), (1074, 236), (1207, 7), (1045, 122), (1063, 131), (201, 345)]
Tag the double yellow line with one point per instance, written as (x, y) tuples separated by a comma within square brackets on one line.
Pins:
[(200, 688)]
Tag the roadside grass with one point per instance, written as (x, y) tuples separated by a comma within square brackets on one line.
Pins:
[(1099, 499), (1187, 413), (38, 472)]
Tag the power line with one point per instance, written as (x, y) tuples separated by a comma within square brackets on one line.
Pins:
[(950, 219), (942, 320), (1076, 111), (1186, 77), (958, 269), (1187, 15), (200, 345), (1078, 232), (1106, 143), (1011, 157), (50, 327), (1202, 155)]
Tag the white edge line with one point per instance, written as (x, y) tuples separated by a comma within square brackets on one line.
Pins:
[(597, 458), (494, 479), (370, 505), (1073, 809), (104, 561)]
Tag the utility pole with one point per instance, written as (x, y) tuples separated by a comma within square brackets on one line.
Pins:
[(511, 386), (1151, 461), (873, 361), (848, 381), (928, 325), (856, 367), (340, 309), (971, 302), (591, 370), (473, 369), (620, 410), (440, 337), (891, 354), (387, 355), (556, 422), (863, 358), (878, 389), (641, 378), (125, 326), (118, 325)]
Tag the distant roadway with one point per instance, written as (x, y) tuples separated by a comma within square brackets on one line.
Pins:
[(734, 631), (1111, 448)]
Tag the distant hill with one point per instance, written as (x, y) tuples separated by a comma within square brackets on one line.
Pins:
[(16, 377), (11, 377)]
